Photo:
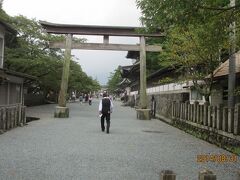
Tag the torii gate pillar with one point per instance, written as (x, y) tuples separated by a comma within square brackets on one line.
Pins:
[(62, 111), (143, 113), (105, 31)]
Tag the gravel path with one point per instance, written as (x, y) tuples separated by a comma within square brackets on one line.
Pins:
[(75, 148)]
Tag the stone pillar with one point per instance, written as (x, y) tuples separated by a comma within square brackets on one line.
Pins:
[(21, 104), (4, 119), (186, 111), (214, 123), (167, 175), (198, 114), (219, 116), (143, 112), (206, 175), (12, 117), (1, 120), (205, 113), (195, 111), (225, 119), (8, 93), (201, 114), (24, 115), (230, 120), (143, 79), (8, 113), (16, 116), (61, 110), (237, 119), (181, 111), (209, 122), (173, 109), (189, 111)]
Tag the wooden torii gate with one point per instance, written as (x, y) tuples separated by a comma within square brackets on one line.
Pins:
[(69, 30)]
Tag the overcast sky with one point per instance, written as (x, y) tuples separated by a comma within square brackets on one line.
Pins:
[(97, 64)]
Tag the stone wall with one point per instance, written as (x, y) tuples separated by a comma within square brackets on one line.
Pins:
[(163, 102)]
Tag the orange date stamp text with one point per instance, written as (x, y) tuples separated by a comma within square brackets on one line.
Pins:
[(217, 158)]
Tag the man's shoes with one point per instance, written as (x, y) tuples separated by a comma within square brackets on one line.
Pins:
[(103, 129), (107, 131)]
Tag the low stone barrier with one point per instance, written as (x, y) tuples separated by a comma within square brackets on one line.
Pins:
[(12, 116), (202, 175), (218, 119)]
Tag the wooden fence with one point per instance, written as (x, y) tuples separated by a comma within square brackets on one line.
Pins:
[(12, 116), (222, 120)]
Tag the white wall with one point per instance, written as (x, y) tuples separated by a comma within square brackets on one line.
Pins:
[(167, 88)]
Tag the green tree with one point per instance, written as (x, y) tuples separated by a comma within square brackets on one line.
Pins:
[(114, 79), (192, 52), (197, 35), (166, 14), (29, 53), (80, 81)]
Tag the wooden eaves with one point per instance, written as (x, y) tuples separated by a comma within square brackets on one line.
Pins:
[(4, 72), (8, 27)]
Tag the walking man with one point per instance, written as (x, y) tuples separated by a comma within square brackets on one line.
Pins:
[(105, 109)]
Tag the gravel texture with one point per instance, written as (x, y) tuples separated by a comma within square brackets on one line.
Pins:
[(75, 148)]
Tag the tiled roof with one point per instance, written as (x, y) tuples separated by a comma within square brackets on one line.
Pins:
[(223, 70), (3, 73)]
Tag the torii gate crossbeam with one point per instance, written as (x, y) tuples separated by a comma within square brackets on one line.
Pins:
[(105, 31)]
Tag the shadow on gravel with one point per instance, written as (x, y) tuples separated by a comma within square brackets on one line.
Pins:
[(29, 119)]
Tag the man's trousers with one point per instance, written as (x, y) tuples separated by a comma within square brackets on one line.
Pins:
[(107, 116)]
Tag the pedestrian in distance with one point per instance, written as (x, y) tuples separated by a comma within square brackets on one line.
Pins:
[(86, 98), (90, 100), (105, 110), (73, 96), (81, 98)]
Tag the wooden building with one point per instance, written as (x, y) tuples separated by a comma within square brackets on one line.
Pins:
[(12, 109), (220, 87)]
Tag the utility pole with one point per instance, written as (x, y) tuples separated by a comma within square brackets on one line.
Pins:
[(232, 62), (232, 73)]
